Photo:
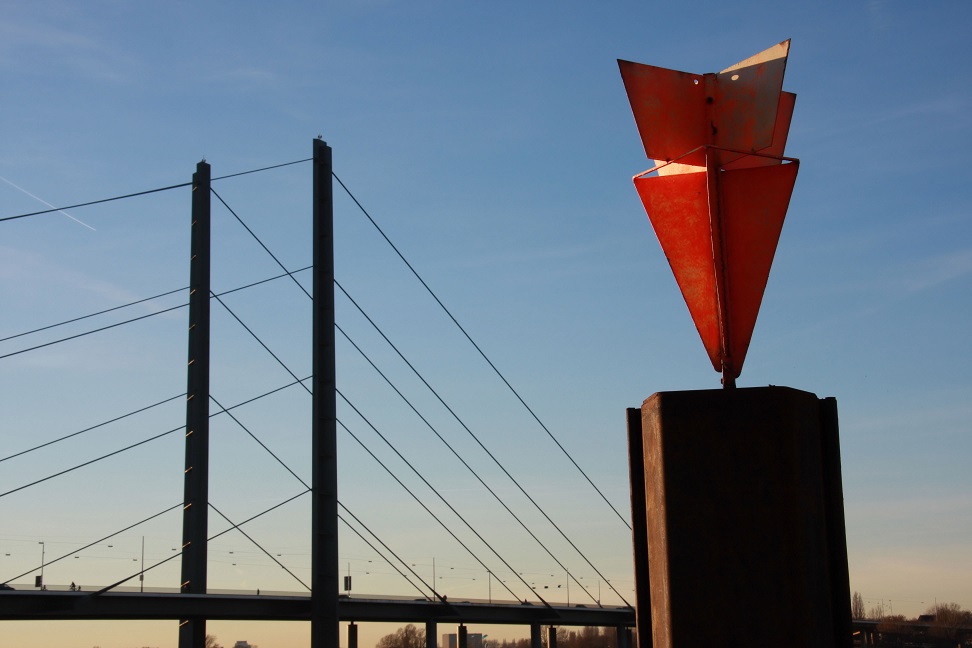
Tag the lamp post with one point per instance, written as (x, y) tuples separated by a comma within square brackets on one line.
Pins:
[(141, 574), (43, 548)]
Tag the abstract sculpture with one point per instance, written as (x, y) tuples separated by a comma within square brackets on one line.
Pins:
[(720, 188)]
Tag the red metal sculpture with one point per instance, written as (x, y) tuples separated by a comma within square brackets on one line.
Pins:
[(720, 189)]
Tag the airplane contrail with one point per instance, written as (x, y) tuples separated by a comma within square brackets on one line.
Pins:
[(41, 200)]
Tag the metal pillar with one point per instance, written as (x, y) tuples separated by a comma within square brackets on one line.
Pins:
[(536, 635), (325, 626), (352, 635), (463, 637), (430, 638), (195, 512), (639, 527), (551, 637), (623, 636)]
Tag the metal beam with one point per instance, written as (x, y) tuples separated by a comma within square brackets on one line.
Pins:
[(195, 512), (325, 627), (24, 605)]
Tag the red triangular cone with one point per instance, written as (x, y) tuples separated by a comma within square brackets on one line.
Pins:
[(678, 208), (753, 206), (754, 203)]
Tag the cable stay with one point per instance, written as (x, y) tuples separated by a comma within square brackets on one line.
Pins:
[(387, 548), (304, 483), (297, 381), (258, 546), (108, 588), (147, 191), (93, 427), (481, 352), (465, 463), (429, 511), (283, 267), (135, 319), (95, 460), (288, 370), (300, 381), (97, 330), (91, 544), (481, 445), (261, 443), (101, 312)]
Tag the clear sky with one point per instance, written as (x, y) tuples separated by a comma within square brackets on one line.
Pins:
[(494, 144)]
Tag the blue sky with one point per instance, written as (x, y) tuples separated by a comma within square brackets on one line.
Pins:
[(494, 145)]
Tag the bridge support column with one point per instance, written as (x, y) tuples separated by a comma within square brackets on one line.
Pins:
[(536, 635), (551, 637), (352, 635), (623, 637), (430, 635), (195, 504), (325, 580), (745, 519)]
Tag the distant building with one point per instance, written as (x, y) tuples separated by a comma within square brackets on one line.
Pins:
[(473, 640), (242, 644)]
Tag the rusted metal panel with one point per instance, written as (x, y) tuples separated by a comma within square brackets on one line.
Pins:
[(754, 204), (746, 100), (677, 207), (679, 112), (668, 107)]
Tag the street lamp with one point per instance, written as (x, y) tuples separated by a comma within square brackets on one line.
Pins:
[(141, 574), (40, 583)]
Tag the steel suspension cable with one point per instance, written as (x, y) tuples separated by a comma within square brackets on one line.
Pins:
[(261, 343), (258, 546), (481, 352), (209, 539), (93, 427), (304, 483), (101, 312), (88, 463), (481, 445), (299, 285), (464, 462), (97, 330), (288, 370), (147, 191), (96, 202), (262, 444), (89, 545), (428, 510), (383, 557), (144, 441), (135, 319)]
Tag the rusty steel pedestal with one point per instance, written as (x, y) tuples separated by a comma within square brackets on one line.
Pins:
[(744, 519)]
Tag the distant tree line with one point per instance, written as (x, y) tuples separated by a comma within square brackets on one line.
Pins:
[(407, 637), (584, 637), (942, 625)]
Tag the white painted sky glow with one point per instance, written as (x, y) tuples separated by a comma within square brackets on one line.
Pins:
[(495, 146)]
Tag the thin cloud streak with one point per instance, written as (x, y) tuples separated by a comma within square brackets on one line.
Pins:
[(42, 201)]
